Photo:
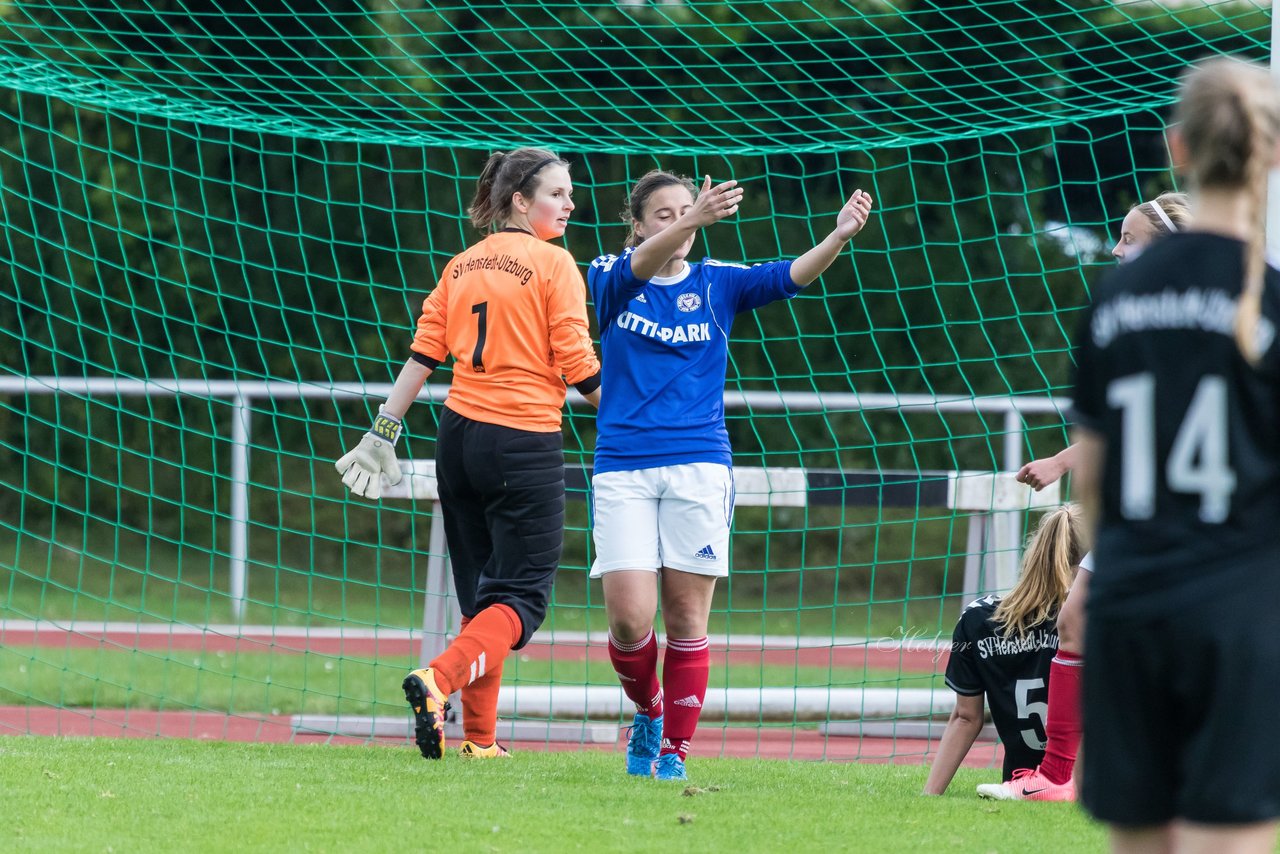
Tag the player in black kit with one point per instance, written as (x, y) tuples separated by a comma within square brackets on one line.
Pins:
[(1177, 406), (1002, 647)]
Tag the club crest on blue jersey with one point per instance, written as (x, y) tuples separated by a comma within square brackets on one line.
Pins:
[(671, 333)]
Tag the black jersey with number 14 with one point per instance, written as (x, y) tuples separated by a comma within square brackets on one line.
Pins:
[(1012, 671), (1191, 484)]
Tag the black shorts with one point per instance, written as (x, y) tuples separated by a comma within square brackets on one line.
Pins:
[(1180, 714), (502, 491)]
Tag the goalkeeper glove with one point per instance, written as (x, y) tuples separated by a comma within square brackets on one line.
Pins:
[(374, 458)]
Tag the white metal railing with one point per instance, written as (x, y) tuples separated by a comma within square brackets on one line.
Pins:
[(241, 394)]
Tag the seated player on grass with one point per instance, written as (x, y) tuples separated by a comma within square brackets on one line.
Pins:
[(1001, 649)]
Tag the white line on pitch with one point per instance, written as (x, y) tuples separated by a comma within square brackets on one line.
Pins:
[(566, 638)]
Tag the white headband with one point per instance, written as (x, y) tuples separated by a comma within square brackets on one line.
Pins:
[(1164, 217)]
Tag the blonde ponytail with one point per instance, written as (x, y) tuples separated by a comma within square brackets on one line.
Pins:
[(1229, 115), (1249, 308), (1055, 547)]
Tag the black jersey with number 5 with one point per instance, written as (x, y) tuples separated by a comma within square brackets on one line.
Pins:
[(1012, 671), (1191, 479)]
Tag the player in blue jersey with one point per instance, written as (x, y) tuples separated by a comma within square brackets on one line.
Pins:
[(663, 481), (1177, 412)]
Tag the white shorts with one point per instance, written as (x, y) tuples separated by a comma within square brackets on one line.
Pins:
[(673, 516), (1086, 562)]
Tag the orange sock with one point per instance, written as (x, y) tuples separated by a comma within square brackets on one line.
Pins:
[(479, 648), (480, 708), (480, 705)]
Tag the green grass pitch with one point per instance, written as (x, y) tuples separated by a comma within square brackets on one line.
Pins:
[(109, 795)]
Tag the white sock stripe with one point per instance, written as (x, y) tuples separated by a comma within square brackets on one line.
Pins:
[(688, 644), (630, 647), (1078, 662), (478, 668)]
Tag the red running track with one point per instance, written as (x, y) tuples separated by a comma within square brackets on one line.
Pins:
[(798, 743), (787, 743)]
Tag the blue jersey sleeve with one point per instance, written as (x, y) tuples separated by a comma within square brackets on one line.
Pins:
[(751, 287), (612, 285)]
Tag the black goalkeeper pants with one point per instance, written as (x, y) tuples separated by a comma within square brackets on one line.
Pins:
[(502, 491)]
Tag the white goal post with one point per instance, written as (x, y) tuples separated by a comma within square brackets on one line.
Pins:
[(994, 499), (242, 394)]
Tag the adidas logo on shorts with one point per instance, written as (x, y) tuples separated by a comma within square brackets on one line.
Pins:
[(705, 553)]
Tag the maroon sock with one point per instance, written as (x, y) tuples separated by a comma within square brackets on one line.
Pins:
[(1063, 725), (684, 682), (637, 667)]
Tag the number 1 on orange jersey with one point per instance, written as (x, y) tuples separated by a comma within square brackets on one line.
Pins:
[(477, 358)]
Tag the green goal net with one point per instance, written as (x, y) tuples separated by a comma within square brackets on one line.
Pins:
[(219, 222)]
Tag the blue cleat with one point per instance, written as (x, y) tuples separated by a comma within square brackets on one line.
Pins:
[(644, 740), (670, 767)]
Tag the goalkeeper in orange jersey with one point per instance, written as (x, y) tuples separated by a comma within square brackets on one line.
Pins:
[(511, 310)]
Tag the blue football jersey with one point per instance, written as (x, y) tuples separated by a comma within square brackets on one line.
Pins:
[(664, 354)]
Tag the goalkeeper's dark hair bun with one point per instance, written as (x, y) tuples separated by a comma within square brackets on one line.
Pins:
[(506, 173)]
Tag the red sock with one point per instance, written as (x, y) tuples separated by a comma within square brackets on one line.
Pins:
[(684, 682), (1063, 725), (478, 649), (480, 708), (480, 705), (637, 667)]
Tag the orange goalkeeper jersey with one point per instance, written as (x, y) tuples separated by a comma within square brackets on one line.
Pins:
[(512, 311)]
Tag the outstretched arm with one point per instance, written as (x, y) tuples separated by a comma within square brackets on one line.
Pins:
[(1088, 477), (1040, 473), (962, 730), (712, 205), (852, 217)]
